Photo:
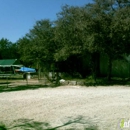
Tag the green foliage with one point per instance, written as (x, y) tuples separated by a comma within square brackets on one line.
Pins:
[(2, 126), (68, 32), (100, 27), (8, 50), (38, 46)]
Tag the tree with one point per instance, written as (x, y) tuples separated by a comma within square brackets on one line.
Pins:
[(24, 50), (103, 30), (121, 27), (69, 35), (8, 50), (102, 27), (38, 46)]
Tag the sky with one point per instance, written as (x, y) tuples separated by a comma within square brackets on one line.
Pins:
[(17, 17)]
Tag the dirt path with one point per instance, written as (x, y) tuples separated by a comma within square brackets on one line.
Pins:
[(65, 107)]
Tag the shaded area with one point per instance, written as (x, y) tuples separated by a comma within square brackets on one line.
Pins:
[(6, 88), (2, 126), (5, 83), (104, 81), (70, 124)]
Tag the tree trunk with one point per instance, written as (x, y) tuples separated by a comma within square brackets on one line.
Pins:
[(57, 78), (39, 71), (109, 68), (95, 65)]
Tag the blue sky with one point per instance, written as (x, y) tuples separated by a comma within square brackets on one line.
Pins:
[(18, 16)]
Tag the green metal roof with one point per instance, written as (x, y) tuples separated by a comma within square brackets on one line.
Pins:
[(10, 62)]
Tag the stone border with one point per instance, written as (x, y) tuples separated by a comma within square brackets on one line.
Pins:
[(73, 82)]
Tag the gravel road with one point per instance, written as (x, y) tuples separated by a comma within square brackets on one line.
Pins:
[(65, 107)]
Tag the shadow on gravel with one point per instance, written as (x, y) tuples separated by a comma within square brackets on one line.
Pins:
[(70, 124), (24, 87), (8, 88)]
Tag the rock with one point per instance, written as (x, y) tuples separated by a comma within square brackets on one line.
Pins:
[(80, 83), (64, 83), (61, 80), (72, 82)]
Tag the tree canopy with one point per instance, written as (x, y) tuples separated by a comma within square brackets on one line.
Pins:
[(102, 27), (8, 49)]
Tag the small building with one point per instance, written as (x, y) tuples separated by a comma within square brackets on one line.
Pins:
[(8, 66)]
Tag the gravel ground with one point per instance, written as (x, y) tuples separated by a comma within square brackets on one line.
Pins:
[(65, 107)]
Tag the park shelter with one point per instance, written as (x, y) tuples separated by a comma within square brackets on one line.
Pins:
[(8, 66)]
